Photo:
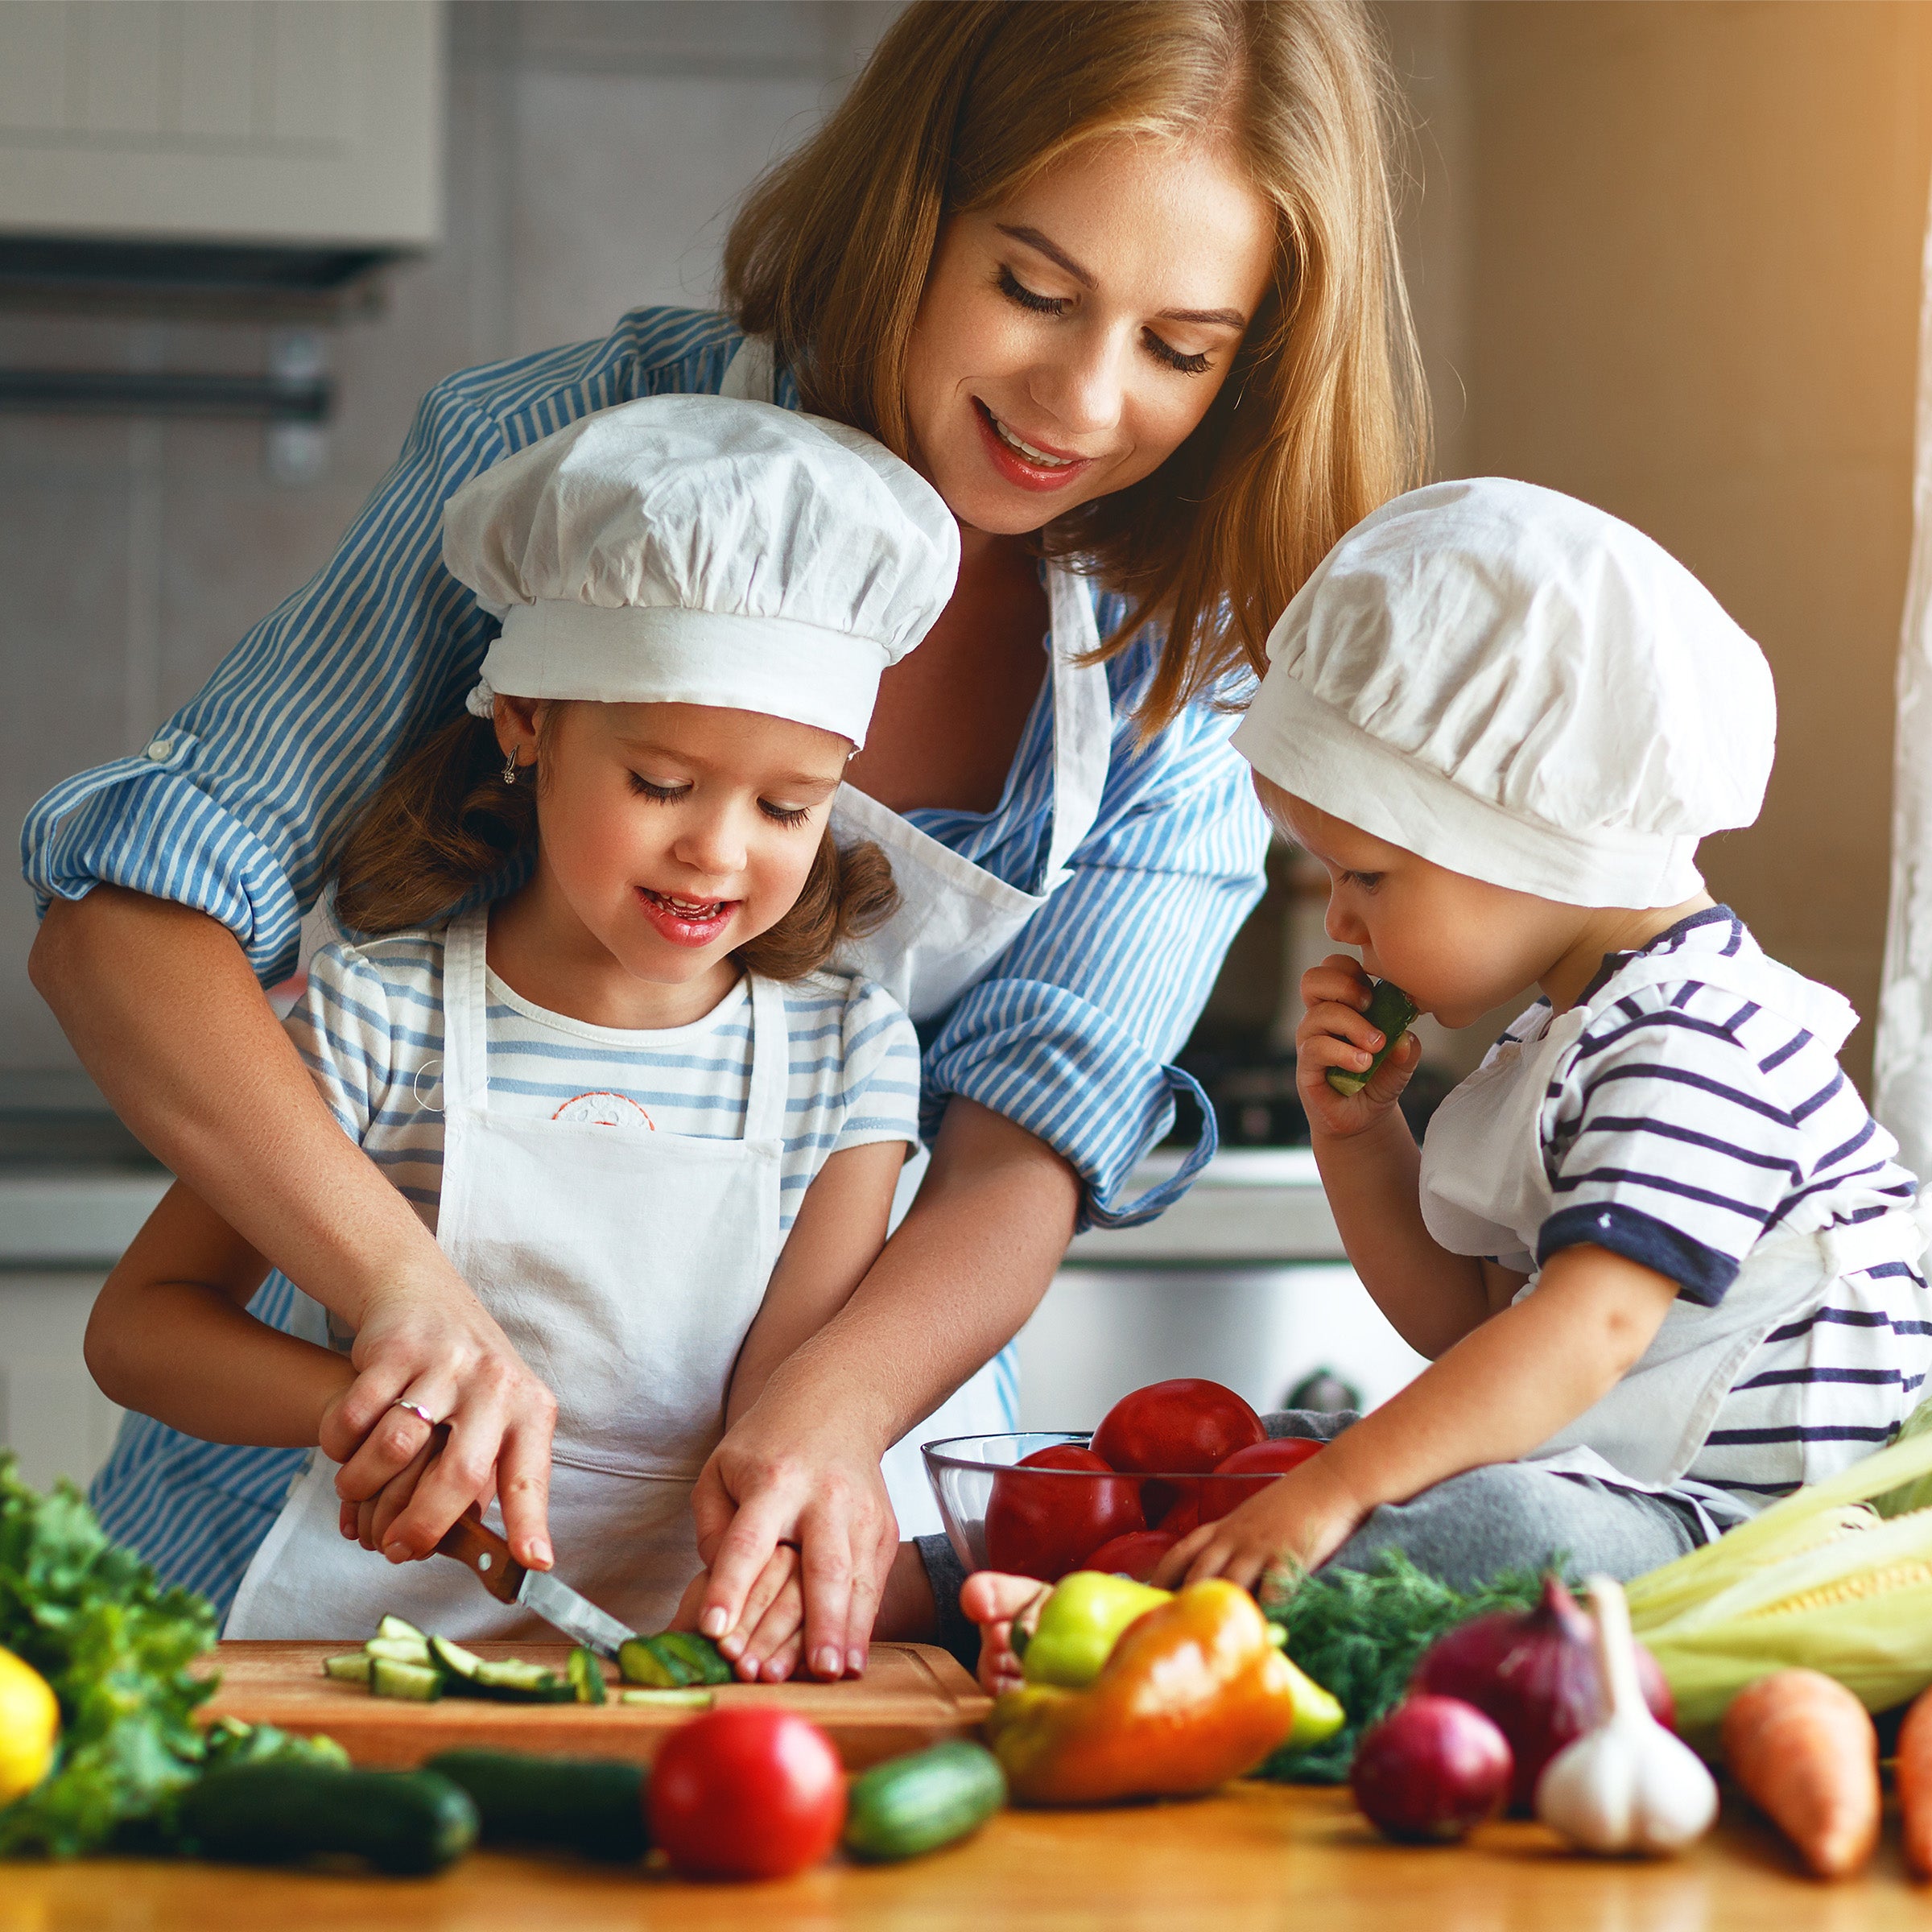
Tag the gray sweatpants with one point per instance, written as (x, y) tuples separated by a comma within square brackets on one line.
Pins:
[(1505, 1516), (1509, 1515)]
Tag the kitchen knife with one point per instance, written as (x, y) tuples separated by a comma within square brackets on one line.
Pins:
[(487, 1555)]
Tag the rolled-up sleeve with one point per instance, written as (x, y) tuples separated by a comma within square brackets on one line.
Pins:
[(1071, 1034), (233, 807)]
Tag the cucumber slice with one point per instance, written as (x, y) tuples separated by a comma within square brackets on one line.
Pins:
[(459, 1662), (585, 1672), (413, 1684), (1391, 1012), (671, 1660), (356, 1668), (393, 1627), (515, 1682), (399, 1650), (691, 1699)]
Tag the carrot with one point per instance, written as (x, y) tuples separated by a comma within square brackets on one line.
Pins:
[(1915, 1783), (1805, 1751)]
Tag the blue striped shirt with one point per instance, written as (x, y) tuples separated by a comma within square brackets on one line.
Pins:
[(1685, 1126), (234, 806)]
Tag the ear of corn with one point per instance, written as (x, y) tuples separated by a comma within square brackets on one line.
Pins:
[(1814, 1580)]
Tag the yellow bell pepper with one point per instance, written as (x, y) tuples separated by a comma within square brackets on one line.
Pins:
[(1194, 1694)]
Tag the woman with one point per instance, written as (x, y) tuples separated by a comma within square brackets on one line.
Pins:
[(1121, 281)]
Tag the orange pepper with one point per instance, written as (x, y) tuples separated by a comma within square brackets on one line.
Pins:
[(1194, 1694)]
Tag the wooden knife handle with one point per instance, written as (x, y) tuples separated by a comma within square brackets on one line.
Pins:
[(486, 1553)]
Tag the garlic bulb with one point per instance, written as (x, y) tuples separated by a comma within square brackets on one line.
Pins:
[(1629, 1785)]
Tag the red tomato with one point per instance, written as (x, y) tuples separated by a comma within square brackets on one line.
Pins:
[(1261, 1463), (1176, 1428), (753, 1791), (1135, 1555), (1183, 1516), (1042, 1525)]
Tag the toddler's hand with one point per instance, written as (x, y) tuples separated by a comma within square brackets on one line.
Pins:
[(1301, 1518), (992, 1600), (1334, 1032)]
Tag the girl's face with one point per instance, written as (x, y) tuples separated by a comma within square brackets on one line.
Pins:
[(1071, 337), (1457, 946), (669, 835)]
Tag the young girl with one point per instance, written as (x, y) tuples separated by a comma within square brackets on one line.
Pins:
[(656, 1138), (1661, 1257)]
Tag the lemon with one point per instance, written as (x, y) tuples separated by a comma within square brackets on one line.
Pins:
[(30, 1726)]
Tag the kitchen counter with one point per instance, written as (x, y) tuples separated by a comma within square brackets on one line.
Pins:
[(1256, 1859)]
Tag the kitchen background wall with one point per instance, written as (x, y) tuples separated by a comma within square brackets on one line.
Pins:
[(1664, 256)]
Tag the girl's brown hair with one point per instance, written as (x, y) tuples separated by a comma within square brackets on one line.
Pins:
[(443, 824), (1324, 416)]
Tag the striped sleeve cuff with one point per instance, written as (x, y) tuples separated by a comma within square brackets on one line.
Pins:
[(144, 823), (1048, 1061), (1702, 1274)]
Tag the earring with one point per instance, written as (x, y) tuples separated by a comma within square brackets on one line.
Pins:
[(509, 769)]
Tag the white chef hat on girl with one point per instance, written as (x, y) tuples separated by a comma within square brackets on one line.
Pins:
[(698, 550), (1521, 688)]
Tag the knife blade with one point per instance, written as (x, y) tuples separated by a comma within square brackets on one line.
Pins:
[(482, 1550)]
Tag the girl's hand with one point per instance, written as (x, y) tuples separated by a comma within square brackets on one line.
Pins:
[(770, 1634), (1302, 1518), (992, 1600), (1333, 1032), (368, 1523)]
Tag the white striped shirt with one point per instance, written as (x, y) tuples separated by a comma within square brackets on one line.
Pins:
[(1687, 1124), (369, 1026)]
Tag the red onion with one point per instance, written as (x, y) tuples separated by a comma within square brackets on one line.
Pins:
[(1535, 1673), (1433, 1769)]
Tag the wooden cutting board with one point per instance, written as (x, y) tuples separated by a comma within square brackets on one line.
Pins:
[(910, 1695)]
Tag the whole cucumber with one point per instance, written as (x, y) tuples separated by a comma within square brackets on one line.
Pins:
[(1392, 1012), (591, 1805), (911, 1805), (402, 1822)]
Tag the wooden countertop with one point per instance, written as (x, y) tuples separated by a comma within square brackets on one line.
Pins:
[(1259, 1859)]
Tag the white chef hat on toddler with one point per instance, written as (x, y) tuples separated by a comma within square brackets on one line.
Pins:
[(698, 550), (1521, 688)]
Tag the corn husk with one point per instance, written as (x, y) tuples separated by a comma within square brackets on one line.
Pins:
[(1818, 1579)]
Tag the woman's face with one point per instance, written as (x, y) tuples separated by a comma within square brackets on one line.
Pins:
[(1071, 337)]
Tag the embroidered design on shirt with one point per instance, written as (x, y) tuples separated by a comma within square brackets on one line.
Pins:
[(604, 1110)]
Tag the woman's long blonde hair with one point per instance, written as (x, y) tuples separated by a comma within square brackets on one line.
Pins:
[(1324, 415)]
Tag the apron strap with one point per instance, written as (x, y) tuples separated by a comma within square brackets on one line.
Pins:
[(465, 1042), (770, 1061), (752, 375), (1082, 723)]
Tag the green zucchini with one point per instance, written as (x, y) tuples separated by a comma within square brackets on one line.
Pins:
[(512, 1680), (354, 1669), (396, 1629), (413, 1684), (1392, 1012), (454, 1660), (593, 1805), (398, 1649), (402, 1822), (672, 1660), (911, 1805), (585, 1672)]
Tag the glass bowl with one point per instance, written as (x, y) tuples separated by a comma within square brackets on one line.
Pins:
[(965, 1471)]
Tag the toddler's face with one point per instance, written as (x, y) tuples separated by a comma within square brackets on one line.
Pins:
[(1457, 946), (677, 832)]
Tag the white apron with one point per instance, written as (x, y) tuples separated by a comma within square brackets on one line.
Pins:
[(1485, 1190), (954, 920), (625, 1266)]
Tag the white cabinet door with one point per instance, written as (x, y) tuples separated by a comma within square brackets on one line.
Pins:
[(51, 1415)]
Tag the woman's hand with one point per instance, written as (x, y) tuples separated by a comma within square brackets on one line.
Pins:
[(992, 1600), (1335, 1033), (788, 1472), (431, 1343)]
